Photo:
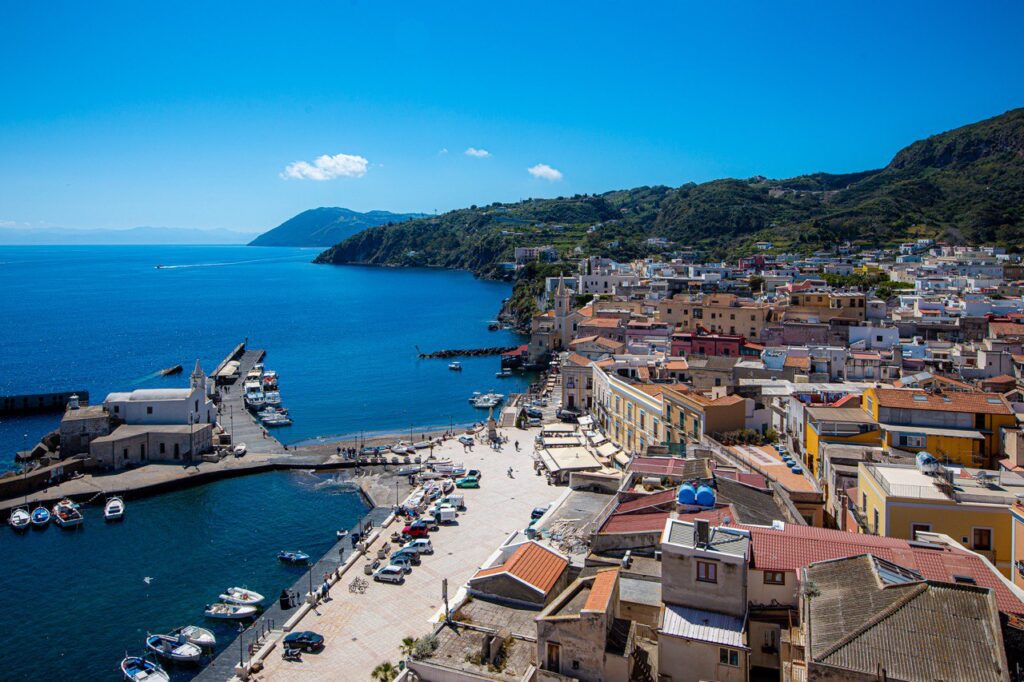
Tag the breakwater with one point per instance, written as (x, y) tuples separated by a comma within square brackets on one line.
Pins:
[(467, 352)]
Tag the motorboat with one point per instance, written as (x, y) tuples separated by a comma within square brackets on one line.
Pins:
[(504, 374), (20, 519), (113, 510), (293, 557), (276, 420), (141, 669), (240, 595), (342, 534), (224, 611), (40, 517), (403, 448), (239, 449), (455, 366), (201, 637), (177, 649), (66, 514), (272, 398), (476, 394), (255, 398), (487, 400), (270, 379)]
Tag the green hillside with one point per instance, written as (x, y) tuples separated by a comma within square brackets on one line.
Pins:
[(326, 226)]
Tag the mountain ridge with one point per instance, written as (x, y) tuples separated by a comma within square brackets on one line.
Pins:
[(326, 225)]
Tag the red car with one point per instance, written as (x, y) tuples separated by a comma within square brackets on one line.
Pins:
[(416, 529)]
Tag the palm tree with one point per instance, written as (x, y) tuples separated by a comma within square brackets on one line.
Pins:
[(385, 672), (408, 646)]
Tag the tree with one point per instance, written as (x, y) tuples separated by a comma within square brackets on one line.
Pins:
[(385, 672), (408, 646), (756, 283)]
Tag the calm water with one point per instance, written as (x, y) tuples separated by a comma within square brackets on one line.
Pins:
[(344, 339), (72, 602)]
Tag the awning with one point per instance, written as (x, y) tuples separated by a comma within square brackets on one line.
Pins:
[(585, 422), (622, 459), (608, 449), (933, 431)]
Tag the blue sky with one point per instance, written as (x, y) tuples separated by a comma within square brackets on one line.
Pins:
[(191, 115)]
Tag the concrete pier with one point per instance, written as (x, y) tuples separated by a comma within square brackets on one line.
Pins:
[(234, 416)]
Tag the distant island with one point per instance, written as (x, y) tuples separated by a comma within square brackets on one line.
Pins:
[(327, 226), (136, 236)]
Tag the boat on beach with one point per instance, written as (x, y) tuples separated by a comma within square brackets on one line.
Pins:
[(177, 649), (293, 556), (40, 517), (20, 519), (201, 637), (222, 611), (113, 510), (141, 669), (240, 595), (66, 514)]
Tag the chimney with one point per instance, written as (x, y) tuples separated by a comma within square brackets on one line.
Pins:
[(702, 530)]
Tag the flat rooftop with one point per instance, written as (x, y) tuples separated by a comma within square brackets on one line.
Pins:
[(969, 485)]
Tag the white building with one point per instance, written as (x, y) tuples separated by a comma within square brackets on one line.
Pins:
[(165, 405)]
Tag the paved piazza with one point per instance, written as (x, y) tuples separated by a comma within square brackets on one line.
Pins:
[(364, 630)]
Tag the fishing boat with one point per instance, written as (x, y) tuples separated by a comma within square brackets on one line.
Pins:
[(276, 420), (20, 519), (66, 515), (293, 557), (40, 517), (113, 510), (487, 400), (140, 669), (455, 366), (201, 637), (229, 611), (174, 369), (272, 398), (177, 649), (240, 595), (270, 380)]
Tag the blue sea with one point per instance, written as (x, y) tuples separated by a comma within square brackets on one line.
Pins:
[(72, 602), (344, 339)]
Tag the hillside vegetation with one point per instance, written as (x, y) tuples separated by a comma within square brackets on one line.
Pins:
[(326, 226)]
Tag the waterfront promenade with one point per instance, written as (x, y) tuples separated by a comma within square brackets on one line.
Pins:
[(364, 630)]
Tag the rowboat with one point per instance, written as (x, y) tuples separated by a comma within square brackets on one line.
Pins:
[(240, 595)]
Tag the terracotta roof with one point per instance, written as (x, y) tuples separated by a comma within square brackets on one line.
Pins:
[(678, 365), (798, 362), (649, 522), (601, 590), (533, 564), (974, 403), (602, 323), (577, 359), (1005, 329), (794, 547), (647, 502)]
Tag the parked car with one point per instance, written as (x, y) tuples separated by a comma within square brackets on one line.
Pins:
[(467, 482), (421, 546), (534, 412), (417, 529), (390, 574), (466, 440), (306, 641), (414, 556), (533, 422), (402, 561), (475, 473)]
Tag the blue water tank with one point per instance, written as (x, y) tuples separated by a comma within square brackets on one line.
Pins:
[(796, 469), (687, 494), (706, 496)]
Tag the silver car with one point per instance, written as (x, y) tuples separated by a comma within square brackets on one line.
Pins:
[(390, 574)]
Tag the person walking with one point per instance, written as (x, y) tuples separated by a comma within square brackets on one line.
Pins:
[(517, 446)]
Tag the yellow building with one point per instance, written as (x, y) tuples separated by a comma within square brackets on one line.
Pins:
[(721, 313), (1017, 544), (962, 428), (836, 425), (970, 505), (824, 306), (628, 411)]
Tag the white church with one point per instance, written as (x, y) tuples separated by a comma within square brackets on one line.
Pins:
[(164, 406)]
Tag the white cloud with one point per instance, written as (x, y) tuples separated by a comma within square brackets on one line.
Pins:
[(443, 151), (478, 153), (545, 172), (8, 223), (327, 167)]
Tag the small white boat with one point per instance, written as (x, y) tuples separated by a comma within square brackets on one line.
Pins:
[(66, 514), (239, 449), (277, 420), (177, 649), (40, 517), (20, 519), (140, 669), (455, 366), (229, 611), (342, 534), (113, 510), (240, 595), (201, 637), (504, 374)]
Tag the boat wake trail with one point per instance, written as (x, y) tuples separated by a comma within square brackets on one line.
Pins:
[(185, 266)]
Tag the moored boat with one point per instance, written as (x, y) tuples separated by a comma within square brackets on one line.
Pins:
[(201, 637), (113, 510), (177, 649), (173, 369), (40, 517), (141, 669), (240, 595), (20, 519), (293, 556), (229, 611), (66, 515), (455, 366), (504, 374)]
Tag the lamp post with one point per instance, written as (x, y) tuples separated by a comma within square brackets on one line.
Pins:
[(241, 645)]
